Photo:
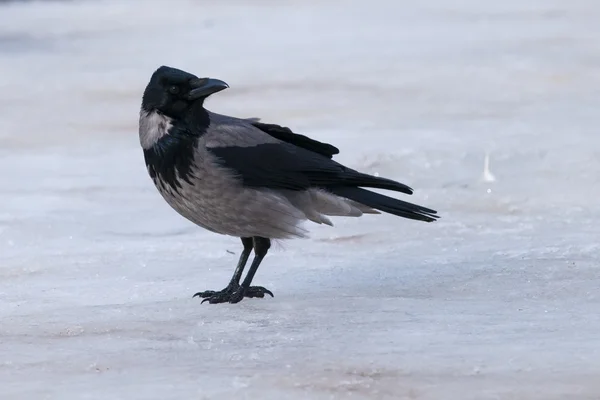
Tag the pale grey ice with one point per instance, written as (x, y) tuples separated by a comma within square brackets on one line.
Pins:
[(497, 300)]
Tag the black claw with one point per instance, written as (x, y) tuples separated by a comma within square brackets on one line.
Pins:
[(206, 293), (232, 294), (257, 291)]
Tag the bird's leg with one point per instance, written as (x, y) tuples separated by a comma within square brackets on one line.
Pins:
[(239, 269), (261, 247), (235, 292), (234, 284)]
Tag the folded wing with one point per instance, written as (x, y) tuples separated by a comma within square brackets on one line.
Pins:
[(285, 134), (289, 167)]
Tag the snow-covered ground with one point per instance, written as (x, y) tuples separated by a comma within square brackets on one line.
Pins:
[(497, 300)]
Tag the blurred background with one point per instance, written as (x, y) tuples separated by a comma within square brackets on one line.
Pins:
[(489, 110)]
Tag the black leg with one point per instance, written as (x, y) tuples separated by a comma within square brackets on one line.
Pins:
[(237, 275), (261, 247), (234, 293), (234, 284)]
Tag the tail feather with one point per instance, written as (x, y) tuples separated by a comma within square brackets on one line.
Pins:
[(385, 203), (365, 180)]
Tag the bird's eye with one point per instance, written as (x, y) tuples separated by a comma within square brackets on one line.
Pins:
[(174, 89)]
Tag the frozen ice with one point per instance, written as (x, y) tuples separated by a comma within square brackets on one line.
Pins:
[(497, 300)]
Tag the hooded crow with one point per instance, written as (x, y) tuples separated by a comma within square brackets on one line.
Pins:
[(248, 179)]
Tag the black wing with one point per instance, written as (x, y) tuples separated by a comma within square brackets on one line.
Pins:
[(285, 166), (285, 134)]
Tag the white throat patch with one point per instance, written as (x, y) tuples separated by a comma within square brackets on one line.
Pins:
[(152, 127)]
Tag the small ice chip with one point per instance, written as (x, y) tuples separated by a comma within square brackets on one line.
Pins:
[(487, 175)]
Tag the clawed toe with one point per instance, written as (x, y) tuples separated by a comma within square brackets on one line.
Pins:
[(206, 293), (217, 298), (257, 291), (232, 294)]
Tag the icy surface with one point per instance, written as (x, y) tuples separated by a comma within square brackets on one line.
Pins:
[(498, 300)]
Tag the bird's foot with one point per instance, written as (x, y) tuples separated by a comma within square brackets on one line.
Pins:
[(232, 294)]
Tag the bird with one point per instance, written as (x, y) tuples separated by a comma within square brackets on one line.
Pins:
[(249, 179)]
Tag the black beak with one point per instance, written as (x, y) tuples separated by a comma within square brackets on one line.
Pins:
[(204, 87)]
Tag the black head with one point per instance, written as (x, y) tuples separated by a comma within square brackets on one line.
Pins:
[(171, 91)]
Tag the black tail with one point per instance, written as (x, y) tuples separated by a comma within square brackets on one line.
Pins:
[(355, 178), (385, 203)]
